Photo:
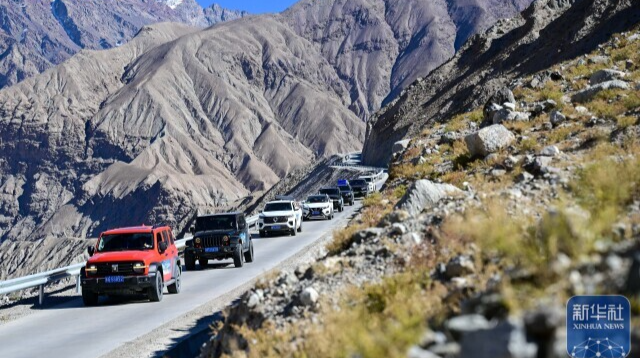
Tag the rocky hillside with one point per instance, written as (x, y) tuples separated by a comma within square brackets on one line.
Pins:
[(489, 223), (548, 32), (181, 118), (36, 35)]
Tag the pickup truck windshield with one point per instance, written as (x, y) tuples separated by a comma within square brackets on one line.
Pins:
[(278, 207), (368, 180), (125, 242), (317, 199), (222, 222), (358, 182)]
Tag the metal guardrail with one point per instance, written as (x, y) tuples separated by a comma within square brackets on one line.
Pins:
[(42, 279)]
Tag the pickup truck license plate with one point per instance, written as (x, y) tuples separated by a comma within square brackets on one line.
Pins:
[(114, 279), (211, 249)]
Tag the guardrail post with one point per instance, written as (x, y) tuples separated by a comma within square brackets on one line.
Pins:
[(41, 295), (77, 283)]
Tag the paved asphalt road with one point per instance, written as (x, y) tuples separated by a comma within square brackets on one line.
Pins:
[(72, 330)]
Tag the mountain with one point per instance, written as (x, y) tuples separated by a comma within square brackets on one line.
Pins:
[(38, 34), (182, 118), (541, 36)]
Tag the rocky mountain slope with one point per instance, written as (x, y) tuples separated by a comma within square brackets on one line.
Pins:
[(38, 34), (181, 118), (544, 34), (489, 223)]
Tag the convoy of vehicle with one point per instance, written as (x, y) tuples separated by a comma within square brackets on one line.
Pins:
[(145, 260)]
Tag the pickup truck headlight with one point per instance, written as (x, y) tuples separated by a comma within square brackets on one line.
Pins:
[(139, 267), (292, 217), (92, 269)]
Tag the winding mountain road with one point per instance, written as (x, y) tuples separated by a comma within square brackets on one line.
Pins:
[(72, 330)]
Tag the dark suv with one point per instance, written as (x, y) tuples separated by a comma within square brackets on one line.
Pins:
[(336, 197), (347, 192), (360, 187), (219, 237)]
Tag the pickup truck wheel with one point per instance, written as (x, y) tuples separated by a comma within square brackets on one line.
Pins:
[(175, 287), (204, 263), (156, 291), (238, 257), (248, 256), (263, 234), (300, 228), (190, 262), (294, 230)]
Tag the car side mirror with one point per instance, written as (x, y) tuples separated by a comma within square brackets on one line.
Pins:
[(162, 247), (192, 230), (91, 250)]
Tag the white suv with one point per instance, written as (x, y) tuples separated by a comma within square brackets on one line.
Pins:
[(371, 181), (282, 216)]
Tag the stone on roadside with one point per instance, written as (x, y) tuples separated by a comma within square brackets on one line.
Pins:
[(253, 300), (398, 229), (588, 94), (506, 340), (504, 95), (309, 297), (366, 234), (489, 140), (400, 146), (524, 177), (550, 151), (598, 60), (425, 194), (605, 76), (459, 266), (460, 325), (556, 117)]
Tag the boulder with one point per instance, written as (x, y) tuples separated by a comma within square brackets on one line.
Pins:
[(505, 115), (504, 95), (506, 340), (605, 76), (598, 60), (425, 194), (366, 234), (400, 146), (459, 266), (588, 94), (489, 140), (460, 325), (309, 297), (556, 117), (398, 229), (550, 151)]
